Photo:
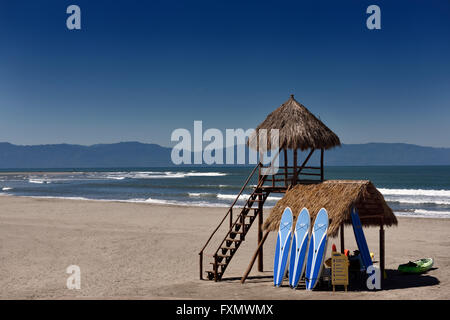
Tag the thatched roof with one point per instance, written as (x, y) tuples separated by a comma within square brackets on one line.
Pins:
[(298, 128), (337, 197)]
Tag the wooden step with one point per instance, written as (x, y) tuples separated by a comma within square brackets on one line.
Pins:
[(233, 240), (210, 275), (226, 255), (228, 248), (236, 232), (219, 263), (245, 224), (248, 208)]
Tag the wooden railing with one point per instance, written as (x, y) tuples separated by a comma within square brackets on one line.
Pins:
[(291, 175), (240, 219), (228, 214)]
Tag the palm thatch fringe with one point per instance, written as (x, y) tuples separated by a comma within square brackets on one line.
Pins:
[(298, 129), (337, 197)]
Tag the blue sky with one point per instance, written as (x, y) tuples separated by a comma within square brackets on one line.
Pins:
[(137, 70)]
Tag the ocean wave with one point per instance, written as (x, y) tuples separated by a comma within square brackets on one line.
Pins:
[(415, 192), (422, 213), (180, 202), (6, 188), (202, 194), (116, 175), (136, 200), (215, 186), (156, 175), (38, 181), (185, 203), (206, 174), (243, 196), (63, 198), (115, 178), (417, 196), (419, 201)]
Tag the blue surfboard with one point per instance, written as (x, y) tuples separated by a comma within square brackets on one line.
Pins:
[(282, 248), (299, 247), (317, 249), (361, 239)]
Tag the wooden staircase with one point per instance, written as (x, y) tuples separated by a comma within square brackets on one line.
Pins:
[(238, 228), (236, 235)]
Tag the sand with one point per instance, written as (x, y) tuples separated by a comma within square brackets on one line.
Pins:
[(144, 251)]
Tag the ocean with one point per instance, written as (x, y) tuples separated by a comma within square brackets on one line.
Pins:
[(417, 191)]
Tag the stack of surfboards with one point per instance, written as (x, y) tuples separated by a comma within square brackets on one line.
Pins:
[(307, 251)]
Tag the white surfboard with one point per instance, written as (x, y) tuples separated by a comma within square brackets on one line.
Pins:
[(282, 248), (317, 249), (299, 247)]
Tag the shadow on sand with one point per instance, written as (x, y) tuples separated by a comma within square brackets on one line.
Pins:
[(252, 279), (395, 280), (398, 280)]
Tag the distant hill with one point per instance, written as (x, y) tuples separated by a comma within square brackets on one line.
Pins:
[(136, 154), (123, 154)]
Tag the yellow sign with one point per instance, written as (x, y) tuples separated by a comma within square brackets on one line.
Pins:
[(339, 270)]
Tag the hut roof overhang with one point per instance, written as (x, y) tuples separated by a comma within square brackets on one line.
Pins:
[(298, 128), (337, 197)]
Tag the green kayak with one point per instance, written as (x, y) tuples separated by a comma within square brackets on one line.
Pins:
[(418, 266)]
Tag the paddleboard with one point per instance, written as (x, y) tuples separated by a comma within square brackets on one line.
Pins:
[(282, 248), (360, 239), (299, 247), (317, 249)]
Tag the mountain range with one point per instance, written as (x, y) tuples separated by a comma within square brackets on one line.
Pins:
[(136, 154)]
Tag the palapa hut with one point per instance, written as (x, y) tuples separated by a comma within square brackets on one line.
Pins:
[(300, 130), (337, 197), (303, 185)]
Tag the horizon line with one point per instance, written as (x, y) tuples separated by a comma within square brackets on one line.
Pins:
[(169, 147)]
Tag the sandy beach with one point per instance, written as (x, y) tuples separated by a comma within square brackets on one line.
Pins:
[(144, 251)]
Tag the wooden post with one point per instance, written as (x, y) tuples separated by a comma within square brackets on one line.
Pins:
[(260, 234), (382, 253), (249, 268), (201, 265), (231, 217), (321, 164), (215, 268), (294, 178), (285, 168), (273, 181), (342, 238), (302, 166), (242, 221), (259, 172)]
